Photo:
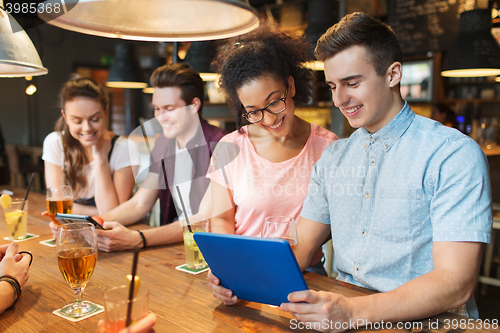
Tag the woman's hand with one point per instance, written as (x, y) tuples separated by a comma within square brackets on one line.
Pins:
[(53, 227), (220, 292), (14, 264), (101, 149)]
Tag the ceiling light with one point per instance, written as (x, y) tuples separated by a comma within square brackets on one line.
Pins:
[(155, 20), (124, 71), (18, 55), (475, 52)]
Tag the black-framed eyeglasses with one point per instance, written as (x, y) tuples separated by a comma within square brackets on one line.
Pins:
[(275, 107)]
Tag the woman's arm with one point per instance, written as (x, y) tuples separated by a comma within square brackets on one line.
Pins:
[(54, 175), (223, 210), (110, 189)]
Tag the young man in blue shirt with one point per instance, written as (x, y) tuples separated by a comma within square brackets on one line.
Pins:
[(419, 208)]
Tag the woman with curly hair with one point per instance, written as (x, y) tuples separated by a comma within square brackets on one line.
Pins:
[(265, 170), (82, 153)]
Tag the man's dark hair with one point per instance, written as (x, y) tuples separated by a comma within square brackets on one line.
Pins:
[(359, 29), (182, 76)]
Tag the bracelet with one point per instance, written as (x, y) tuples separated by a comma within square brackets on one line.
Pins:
[(144, 244), (15, 285)]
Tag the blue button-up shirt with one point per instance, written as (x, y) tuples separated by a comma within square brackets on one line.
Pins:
[(389, 195)]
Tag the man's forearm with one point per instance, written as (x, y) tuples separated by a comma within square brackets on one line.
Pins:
[(168, 234), (421, 297), (449, 285), (127, 213)]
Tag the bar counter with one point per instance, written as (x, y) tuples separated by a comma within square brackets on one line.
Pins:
[(182, 301)]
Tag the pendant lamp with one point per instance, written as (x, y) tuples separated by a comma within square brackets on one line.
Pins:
[(155, 20), (18, 55), (199, 57), (125, 71), (475, 52)]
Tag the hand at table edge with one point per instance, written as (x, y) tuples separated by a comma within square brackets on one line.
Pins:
[(218, 291), (321, 307)]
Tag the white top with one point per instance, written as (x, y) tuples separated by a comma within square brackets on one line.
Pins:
[(182, 177), (125, 153)]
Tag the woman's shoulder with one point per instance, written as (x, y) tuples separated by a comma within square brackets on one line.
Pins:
[(124, 145), (53, 137), (53, 150), (322, 133), (53, 141), (235, 136)]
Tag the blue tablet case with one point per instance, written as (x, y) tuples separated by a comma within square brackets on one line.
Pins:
[(256, 269)]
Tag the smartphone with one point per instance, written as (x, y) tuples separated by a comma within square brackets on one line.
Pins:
[(70, 218)]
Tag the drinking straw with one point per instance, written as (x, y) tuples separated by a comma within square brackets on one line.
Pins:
[(25, 198), (131, 289), (184, 209), (28, 190), (141, 122)]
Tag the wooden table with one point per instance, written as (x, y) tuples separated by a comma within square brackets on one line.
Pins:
[(182, 302)]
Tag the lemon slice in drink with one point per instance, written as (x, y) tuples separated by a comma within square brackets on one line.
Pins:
[(137, 283), (5, 201)]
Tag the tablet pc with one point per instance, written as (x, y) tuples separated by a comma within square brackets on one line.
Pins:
[(71, 218), (256, 269)]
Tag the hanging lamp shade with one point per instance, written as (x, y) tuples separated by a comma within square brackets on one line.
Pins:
[(124, 71), (18, 55), (156, 20), (199, 57), (475, 52)]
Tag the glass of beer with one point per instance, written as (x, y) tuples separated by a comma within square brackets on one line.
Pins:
[(59, 200), (76, 247), (194, 258), (281, 227), (16, 218)]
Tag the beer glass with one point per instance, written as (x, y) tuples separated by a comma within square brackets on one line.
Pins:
[(59, 200), (77, 256), (281, 227)]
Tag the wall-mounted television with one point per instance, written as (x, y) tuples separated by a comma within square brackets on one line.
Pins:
[(416, 80)]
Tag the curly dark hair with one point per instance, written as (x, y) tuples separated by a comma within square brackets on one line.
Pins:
[(265, 51)]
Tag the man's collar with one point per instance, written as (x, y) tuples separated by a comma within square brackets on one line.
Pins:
[(390, 133)]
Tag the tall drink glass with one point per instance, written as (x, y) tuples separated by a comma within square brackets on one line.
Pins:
[(77, 256), (116, 305), (281, 227), (59, 200), (194, 258), (16, 218)]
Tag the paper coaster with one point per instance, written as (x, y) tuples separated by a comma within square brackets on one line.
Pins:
[(100, 309), (49, 242), (28, 236), (184, 268)]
